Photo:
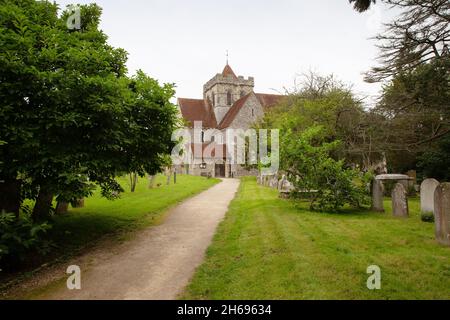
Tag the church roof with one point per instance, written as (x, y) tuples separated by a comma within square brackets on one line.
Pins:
[(227, 71), (201, 110), (232, 113), (198, 110), (268, 100)]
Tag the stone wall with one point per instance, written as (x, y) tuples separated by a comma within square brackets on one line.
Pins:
[(250, 112)]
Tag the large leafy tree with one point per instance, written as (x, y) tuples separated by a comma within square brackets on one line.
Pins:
[(413, 111), (325, 101), (69, 112), (415, 116)]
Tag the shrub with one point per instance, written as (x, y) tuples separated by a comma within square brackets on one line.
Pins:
[(19, 237), (306, 159), (427, 216)]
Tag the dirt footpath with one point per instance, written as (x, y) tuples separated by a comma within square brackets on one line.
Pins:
[(159, 262)]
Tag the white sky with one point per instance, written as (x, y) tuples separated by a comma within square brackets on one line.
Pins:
[(185, 42)]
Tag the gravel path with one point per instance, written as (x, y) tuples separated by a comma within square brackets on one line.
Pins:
[(160, 261)]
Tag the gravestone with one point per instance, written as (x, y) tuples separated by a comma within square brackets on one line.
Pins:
[(274, 182), (377, 196), (399, 201), (282, 182), (427, 189), (442, 213)]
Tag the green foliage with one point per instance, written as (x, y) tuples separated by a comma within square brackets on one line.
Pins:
[(306, 159), (324, 101), (427, 216), (415, 114), (19, 237), (69, 112), (435, 162)]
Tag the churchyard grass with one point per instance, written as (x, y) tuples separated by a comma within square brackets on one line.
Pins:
[(81, 228), (269, 248), (144, 207)]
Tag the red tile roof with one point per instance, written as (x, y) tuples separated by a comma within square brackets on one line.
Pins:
[(227, 71), (198, 110), (269, 100), (201, 110), (233, 112)]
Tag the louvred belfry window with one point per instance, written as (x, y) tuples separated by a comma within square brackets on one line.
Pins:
[(229, 102)]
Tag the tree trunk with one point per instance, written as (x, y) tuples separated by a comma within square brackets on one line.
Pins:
[(133, 181), (168, 174), (79, 203), (43, 205), (62, 207), (10, 196), (174, 177), (168, 177), (151, 184)]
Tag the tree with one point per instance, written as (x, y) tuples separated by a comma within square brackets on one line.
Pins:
[(319, 123), (362, 5), (420, 34), (305, 157), (435, 162), (325, 101), (69, 110), (414, 112)]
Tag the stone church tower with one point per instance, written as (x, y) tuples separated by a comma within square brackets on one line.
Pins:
[(224, 89), (228, 102)]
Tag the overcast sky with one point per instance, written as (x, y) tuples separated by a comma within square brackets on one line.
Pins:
[(185, 42)]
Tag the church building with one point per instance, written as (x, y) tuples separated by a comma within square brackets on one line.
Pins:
[(229, 102)]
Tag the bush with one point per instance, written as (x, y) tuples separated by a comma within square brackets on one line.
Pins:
[(306, 159), (427, 216), (19, 237)]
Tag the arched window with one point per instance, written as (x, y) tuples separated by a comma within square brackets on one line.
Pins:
[(213, 99), (229, 102), (253, 112), (203, 136)]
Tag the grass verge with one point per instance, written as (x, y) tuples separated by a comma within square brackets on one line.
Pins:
[(82, 228), (269, 248)]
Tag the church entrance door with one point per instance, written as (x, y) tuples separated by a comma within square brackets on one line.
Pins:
[(220, 170)]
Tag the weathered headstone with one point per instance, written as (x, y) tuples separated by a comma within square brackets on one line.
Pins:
[(399, 201), (377, 196), (282, 182), (427, 189), (274, 182), (442, 213)]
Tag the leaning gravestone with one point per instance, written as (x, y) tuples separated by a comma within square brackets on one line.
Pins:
[(282, 182), (399, 201), (442, 213), (377, 196), (427, 189)]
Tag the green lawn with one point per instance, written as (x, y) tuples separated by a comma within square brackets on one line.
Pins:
[(142, 208), (83, 227), (269, 248)]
